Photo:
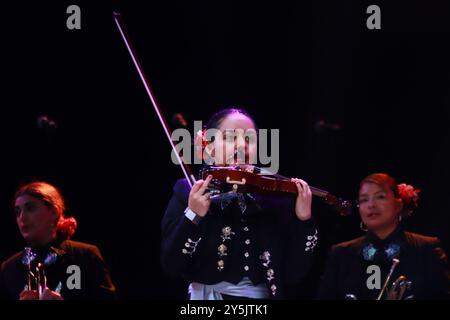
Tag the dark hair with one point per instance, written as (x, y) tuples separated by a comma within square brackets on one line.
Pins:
[(53, 199), (217, 118), (407, 193)]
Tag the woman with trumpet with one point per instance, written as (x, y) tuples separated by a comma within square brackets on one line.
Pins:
[(351, 271), (51, 267)]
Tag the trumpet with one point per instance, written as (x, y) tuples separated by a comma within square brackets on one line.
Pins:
[(395, 263), (41, 279), (396, 291), (36, 279), (28, 257), (399, 286)]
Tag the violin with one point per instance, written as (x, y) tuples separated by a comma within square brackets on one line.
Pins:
[(250, 179), (228, 179)]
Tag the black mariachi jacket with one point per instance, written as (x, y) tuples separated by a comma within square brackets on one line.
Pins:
[(266, 242), (422, 261), (95, 279)]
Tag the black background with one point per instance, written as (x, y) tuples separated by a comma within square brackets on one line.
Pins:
[(290, 64)]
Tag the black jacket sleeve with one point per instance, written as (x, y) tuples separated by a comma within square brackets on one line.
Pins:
[(328, 288), (3, 290), (180, 237), (438, 276), (101, 287), (302, 238)]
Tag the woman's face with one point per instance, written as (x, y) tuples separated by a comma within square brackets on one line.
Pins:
[(378, 207), (235, 142), (36, 221)]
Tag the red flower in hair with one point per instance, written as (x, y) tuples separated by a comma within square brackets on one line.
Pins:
[(410, 197), (67, 226), (200, 144)]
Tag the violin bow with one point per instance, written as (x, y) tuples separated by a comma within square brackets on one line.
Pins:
[(126, 39)]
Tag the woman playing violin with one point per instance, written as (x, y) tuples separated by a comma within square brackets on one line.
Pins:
[(242, 245)]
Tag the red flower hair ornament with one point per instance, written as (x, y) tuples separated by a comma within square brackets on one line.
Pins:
[(410, 198)]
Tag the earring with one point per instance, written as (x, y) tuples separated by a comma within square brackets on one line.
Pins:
[(400, 218), (209, 160), (208, 157), (363, 227)]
